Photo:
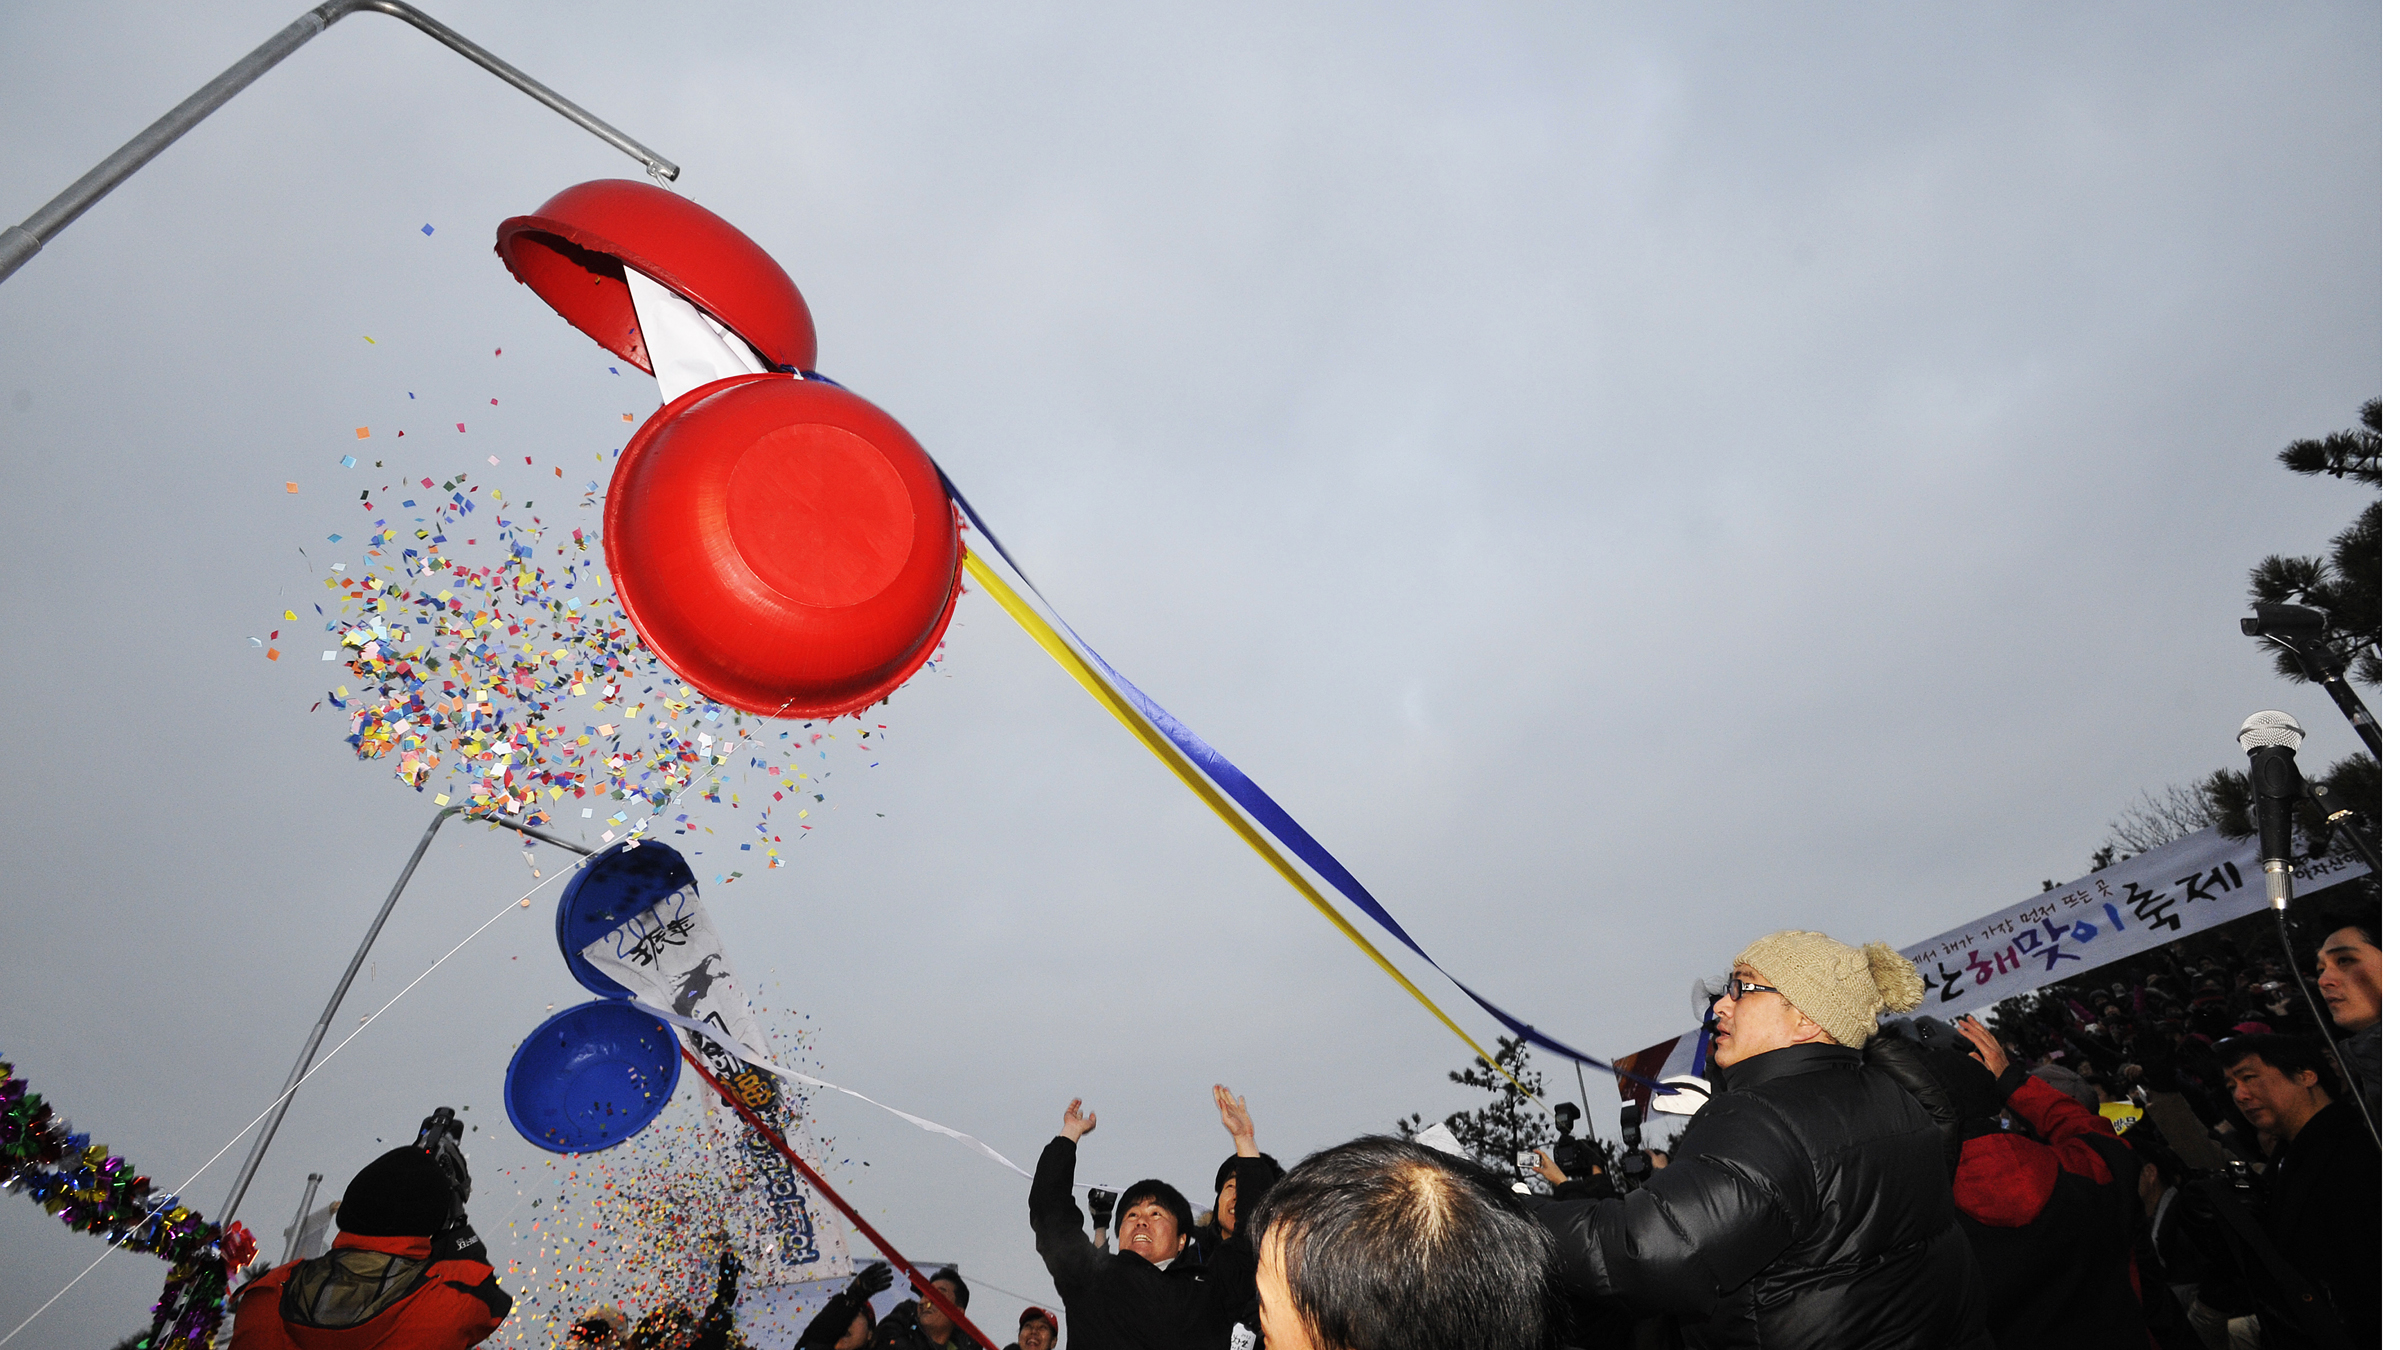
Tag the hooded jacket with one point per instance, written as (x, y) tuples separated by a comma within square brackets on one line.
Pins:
[(1120, 1301), (2053, 1219), (1808, 1208), (370, 1293)]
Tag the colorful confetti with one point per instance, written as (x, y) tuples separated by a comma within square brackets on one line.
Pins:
[(498, 671)]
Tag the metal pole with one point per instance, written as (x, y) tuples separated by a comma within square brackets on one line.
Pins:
[(20, 242), (2321, 665), (308, 1198), (316, 1036)]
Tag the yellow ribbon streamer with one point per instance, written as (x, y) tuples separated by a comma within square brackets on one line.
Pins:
[(1066, 655)]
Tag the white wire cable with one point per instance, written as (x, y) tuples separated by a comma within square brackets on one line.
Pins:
[(322, 1061)]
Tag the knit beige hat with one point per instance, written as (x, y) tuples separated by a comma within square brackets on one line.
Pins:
[(1835, 985)]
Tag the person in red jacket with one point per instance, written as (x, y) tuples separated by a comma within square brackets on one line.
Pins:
[(381, 1286), (2051, 1212)]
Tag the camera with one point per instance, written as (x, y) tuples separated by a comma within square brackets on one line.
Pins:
[(1102, 1202), (1635, 1165), (1577, 1157), (438, 1134), (2289, 623)]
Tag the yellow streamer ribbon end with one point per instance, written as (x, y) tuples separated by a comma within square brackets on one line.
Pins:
[(1099, 688)]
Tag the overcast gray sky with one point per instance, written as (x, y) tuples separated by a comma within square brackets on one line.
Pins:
[(1627, 478)]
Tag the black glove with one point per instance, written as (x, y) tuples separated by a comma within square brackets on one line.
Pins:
[(872, 1281), (729, 1273)]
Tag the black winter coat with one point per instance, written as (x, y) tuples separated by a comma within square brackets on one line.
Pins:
[(2325, 1215), (1118, 1302), (1808, 1207)]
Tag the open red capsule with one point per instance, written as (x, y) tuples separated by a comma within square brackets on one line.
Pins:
[(781, 544)]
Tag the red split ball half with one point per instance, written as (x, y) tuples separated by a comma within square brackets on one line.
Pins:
[(780, 543)]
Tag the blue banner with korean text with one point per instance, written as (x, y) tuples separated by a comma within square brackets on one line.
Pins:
[(2171, 892)]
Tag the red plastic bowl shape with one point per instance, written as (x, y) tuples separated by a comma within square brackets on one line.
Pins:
[(783, 545), (573, 251)]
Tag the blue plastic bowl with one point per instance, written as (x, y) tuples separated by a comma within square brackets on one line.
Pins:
[(607, 891), (591, 1077)]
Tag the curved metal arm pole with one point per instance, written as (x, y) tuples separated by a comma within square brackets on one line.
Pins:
[(20, 242), (316, 1036)]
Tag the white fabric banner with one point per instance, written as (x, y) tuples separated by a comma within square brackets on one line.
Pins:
[(2171, 892), (670, 956)]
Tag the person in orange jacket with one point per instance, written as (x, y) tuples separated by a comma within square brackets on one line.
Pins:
[(382, 1285)]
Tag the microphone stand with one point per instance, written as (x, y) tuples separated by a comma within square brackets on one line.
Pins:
[(2268, 737), (2300, 630), (2340, 817)]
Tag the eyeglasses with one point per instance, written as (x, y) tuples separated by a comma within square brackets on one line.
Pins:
[(1733, 988)]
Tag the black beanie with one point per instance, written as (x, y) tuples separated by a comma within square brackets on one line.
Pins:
[(401, 1194), (1164, 1196), (1225, 1169)]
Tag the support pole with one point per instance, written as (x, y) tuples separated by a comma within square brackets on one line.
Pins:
[(20, 242), (316, 1036), (891, 1253), (308, 1200)]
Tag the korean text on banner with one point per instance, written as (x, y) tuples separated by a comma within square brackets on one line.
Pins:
[(670, 955), (2170, 892)]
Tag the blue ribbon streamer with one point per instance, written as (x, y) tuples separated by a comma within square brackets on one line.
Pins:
[(1278, 822)]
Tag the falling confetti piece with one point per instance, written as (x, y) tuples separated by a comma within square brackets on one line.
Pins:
[(462, 426), (628, 417), (291, 487), (370, 341), (349, 461), (362, 433), (429, 229)]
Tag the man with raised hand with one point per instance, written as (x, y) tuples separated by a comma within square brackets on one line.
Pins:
[(1153, 1293), (1809, 1204)]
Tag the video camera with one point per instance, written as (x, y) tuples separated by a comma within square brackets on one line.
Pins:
[(439, 1135), (1103, 1202)]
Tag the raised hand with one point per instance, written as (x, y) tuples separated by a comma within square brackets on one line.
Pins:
[(1078, 1122), (1551, 1172), (1987, 1046), (1234, 1113), (872, 1281)]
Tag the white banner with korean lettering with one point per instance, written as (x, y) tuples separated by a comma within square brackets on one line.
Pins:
[(2171, 892), (670, 956)]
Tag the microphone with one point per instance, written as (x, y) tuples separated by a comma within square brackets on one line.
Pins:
[(2274, 786)]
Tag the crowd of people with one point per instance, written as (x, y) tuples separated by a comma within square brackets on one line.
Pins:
[(2163, 1161)]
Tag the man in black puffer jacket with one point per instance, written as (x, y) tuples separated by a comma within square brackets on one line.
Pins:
[(1808, 1207), (1154, 1294)]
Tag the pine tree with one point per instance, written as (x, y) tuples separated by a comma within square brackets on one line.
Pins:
[(2349, 587), (1510, 1124)]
